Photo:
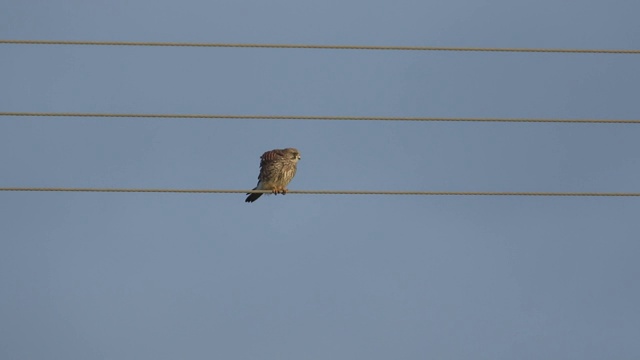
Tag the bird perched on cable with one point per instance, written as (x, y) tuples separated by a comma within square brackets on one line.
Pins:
[(277, 168)]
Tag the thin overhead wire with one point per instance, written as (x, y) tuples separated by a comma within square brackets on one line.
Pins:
[(327, 118), (327, 192), (325, 47)]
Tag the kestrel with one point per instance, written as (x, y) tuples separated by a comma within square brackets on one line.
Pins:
[(277, 168)]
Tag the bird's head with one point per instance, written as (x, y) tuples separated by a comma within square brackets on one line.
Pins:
[(293, 154)]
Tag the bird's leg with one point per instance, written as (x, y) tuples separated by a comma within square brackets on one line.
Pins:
[(276, 190), (284, 191)]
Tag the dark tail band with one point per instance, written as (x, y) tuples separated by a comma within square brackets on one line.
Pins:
[(252, 197)]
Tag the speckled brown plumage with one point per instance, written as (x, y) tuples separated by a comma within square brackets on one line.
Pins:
[(277, 168)]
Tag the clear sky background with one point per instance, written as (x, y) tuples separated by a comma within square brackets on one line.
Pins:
[(207, 276)]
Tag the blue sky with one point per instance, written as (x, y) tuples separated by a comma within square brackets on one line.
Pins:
[(165, 276)]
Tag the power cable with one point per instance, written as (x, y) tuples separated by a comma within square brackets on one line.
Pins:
[(328, 192), (325, 47), (328, 118)]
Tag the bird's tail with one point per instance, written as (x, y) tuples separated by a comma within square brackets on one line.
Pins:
[(252, 196)]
